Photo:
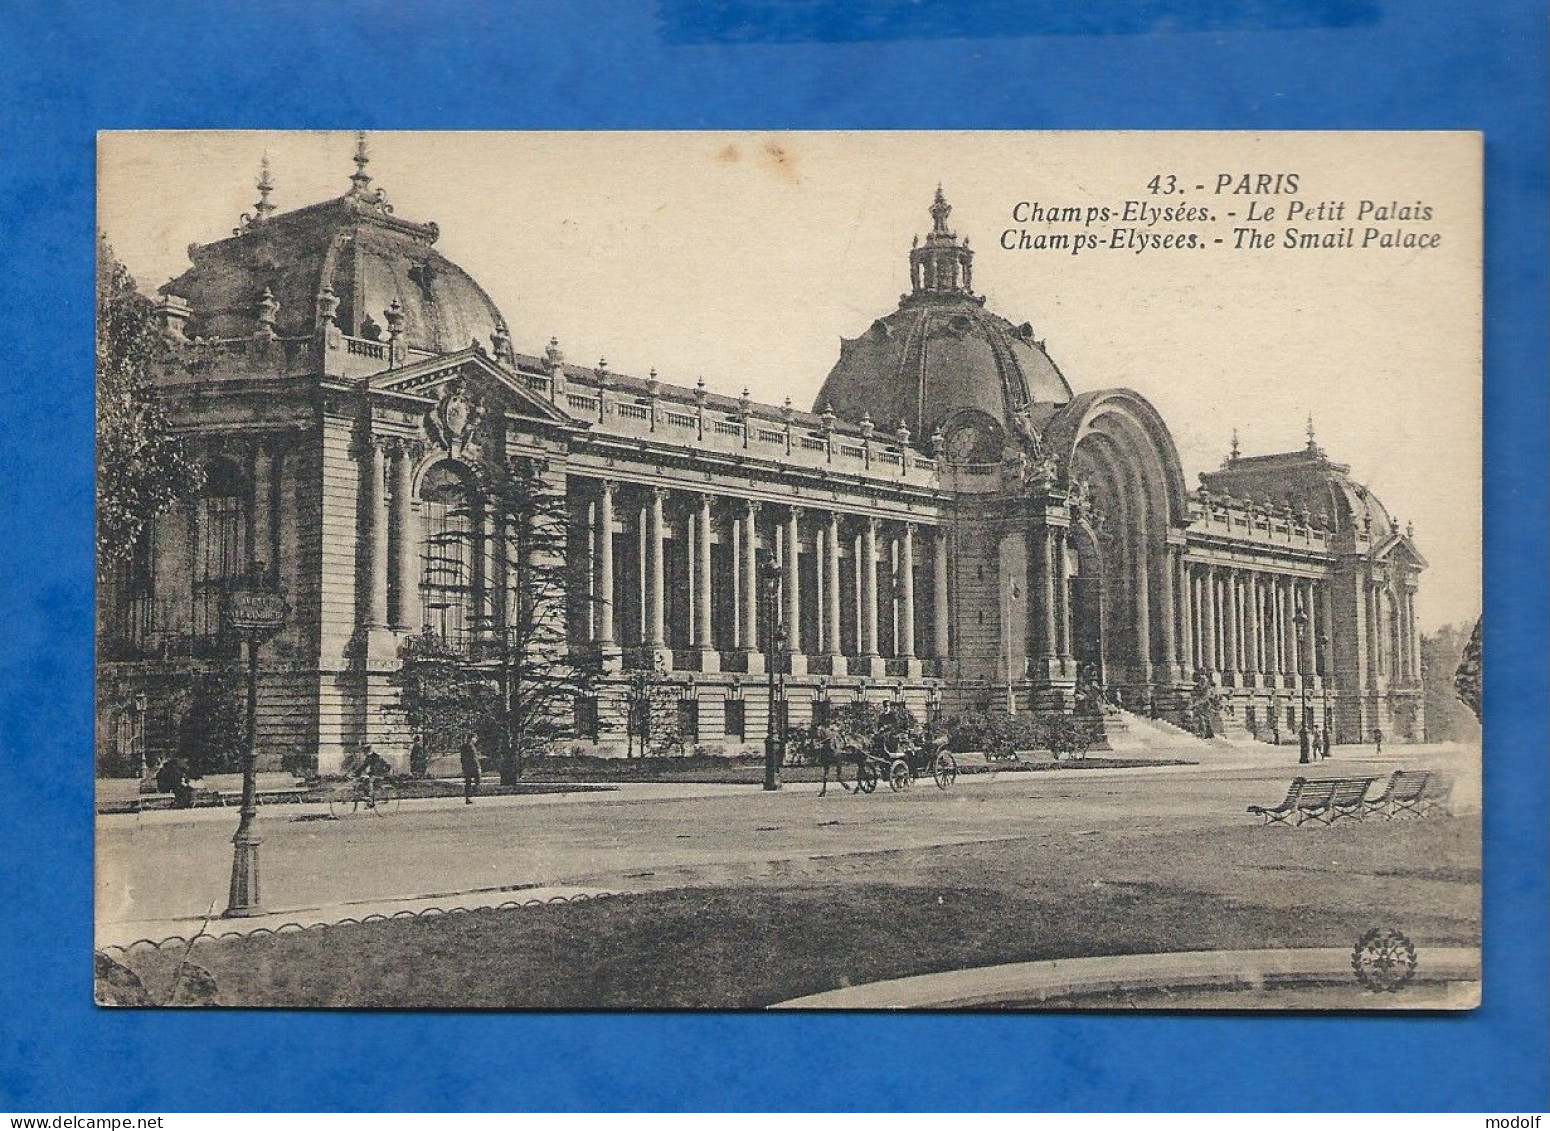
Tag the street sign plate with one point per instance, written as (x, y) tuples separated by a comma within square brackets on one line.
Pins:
[(256, 610)]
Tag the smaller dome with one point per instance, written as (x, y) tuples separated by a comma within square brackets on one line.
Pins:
[(1306, 478), (371, 260)]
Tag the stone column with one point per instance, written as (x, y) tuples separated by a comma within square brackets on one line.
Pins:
[(709, 659), (406, 611), (604, 632), (870, 659), (1046, 648), (1063, 599), (750, 589), (1293, 642), (656, 577), (796, 659), (1415, 637), (1230, 658), (831, 596), (1310, 660), (1166, 613), (1186, 583), (1326, 610), (1208, 620), (1255, 626), (374, 488), (941, 636), (906, 641), (1143, 603)]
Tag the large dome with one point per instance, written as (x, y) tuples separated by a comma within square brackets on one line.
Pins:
[(354, 245), (941, 353)]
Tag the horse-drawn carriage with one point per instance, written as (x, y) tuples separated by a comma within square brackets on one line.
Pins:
[(898, 755), (901, 757)]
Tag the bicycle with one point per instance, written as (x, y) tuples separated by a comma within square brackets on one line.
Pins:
[(377, 796)]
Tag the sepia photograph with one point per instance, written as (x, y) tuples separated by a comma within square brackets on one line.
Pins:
[(816, 571)]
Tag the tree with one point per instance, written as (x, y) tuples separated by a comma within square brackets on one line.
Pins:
[(445, 697), (142, 466), (1466, 677), (1442, 654), (652, 701), (540, 675)]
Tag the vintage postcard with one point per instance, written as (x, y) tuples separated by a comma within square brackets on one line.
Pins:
[(811, 570)]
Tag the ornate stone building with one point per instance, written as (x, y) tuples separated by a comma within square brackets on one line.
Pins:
[(957, 529)]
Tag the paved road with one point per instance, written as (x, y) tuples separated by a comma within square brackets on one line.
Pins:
[(156, 869)]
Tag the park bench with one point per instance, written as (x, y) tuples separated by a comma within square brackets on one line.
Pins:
[(1401, 784), (1277, 814), (1419, 793), (1314, 800), (1349, 799), (1322, 800)]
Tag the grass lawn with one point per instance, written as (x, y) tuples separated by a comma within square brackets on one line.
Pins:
[(826, 923)]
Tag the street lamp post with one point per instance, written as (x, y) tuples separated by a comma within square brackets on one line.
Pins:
[(256, 610), (1329, 729), (774, 744), (1300, 619)]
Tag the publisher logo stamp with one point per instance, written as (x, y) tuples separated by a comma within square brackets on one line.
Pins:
[(1383, 959)]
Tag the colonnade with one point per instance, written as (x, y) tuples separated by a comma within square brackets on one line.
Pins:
[(1244, 625), (850, 611)]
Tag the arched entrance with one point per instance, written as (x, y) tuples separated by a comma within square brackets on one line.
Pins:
[(1127, 493)]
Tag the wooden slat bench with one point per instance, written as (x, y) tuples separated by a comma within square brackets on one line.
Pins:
[(1283, 812), (1321, 800), (1418, 794)]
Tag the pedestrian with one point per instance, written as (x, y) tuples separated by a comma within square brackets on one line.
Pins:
[(1319, 749), (1377, 737), (419, 765), (173, 777), (470, 754)]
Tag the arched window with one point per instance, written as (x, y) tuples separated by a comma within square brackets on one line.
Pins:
[(447, 554), (220, 542)]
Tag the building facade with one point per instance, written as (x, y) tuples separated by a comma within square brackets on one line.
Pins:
[(957, 529)]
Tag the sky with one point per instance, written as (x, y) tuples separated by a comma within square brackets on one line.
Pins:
[(743, 258)]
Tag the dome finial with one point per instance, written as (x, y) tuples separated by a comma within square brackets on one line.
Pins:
[(262, 208), (940, 211), (1313, 446), (1232, 455), (941, 265), (360, 179)]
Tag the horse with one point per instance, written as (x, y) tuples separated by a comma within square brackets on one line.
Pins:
[(828, 745)]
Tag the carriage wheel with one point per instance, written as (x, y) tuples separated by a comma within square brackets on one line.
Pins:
[(945, 770), (866, 778), (898, 774)]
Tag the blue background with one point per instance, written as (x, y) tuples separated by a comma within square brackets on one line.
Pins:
[(1258, 64)]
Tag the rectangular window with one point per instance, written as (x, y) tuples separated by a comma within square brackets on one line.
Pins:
[(821, 710), (586, 717), (689, 720), (734, 727), (221, 523)]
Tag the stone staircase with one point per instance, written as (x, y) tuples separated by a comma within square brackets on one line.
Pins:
[(1132, 734)]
